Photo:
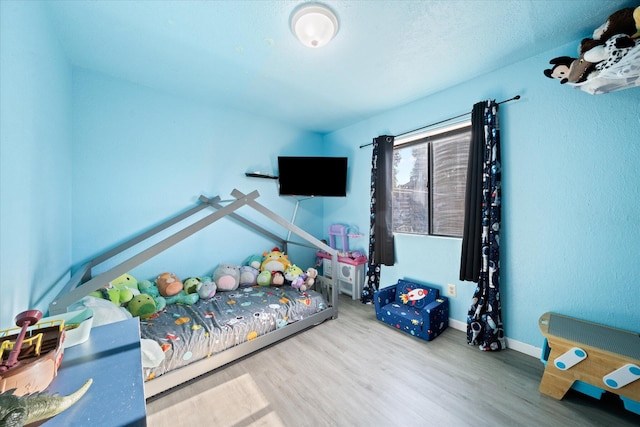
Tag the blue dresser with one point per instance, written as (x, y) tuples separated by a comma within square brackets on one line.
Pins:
[(112, 357)]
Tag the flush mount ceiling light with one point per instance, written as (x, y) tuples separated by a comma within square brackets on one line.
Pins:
[(314, 25)]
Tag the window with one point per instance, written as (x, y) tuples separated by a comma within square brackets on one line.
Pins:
[(429, 180)]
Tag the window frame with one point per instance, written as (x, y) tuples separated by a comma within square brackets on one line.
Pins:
[(430, 137)]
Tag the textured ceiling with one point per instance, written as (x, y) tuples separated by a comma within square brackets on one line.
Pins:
[(242, 54)]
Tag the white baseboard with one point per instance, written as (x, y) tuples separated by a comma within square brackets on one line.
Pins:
[(456, 324), (525, 348), (519, 346)]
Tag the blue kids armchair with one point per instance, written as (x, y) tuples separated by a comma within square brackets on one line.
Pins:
[(413, 308)]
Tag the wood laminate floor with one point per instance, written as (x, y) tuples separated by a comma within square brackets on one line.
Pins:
[(356, 371)]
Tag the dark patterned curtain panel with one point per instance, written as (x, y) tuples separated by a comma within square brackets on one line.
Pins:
[(472, 231), (381, 248), (480, 260)]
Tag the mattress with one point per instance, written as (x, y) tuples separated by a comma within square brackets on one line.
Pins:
[(188, 333)]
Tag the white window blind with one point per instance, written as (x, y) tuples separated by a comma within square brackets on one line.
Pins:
[(429, 181)]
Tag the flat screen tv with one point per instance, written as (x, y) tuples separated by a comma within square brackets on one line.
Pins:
[(312, 176)]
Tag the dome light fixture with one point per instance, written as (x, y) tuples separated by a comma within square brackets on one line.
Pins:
[(314, 24)]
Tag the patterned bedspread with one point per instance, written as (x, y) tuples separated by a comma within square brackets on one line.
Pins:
[(188, 333)]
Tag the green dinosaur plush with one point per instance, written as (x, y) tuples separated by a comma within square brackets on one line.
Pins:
[(119, 291)]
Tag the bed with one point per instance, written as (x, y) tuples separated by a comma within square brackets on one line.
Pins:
[(201, 337)]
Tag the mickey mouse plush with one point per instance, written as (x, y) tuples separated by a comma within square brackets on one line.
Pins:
[(562, 68), (601, 57)]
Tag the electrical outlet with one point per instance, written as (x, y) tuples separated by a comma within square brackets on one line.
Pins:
[(451, 290)]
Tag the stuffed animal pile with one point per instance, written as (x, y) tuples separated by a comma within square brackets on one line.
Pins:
[(146, 298), (299, 279), (607, 61)]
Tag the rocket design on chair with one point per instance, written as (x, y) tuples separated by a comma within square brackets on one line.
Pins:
[(413, 295)]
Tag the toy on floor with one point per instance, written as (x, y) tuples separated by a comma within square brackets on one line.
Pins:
[(590, 358), (413, 308)]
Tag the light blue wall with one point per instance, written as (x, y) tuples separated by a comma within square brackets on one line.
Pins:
[(115, 158), (35, 160), (141, 156), (571, 198)]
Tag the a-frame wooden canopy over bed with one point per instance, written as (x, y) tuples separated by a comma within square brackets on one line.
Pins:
[(83, 282)]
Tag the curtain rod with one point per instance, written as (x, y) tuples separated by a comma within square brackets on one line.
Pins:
[(443, 121)]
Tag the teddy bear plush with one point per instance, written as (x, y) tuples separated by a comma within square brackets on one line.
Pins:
[(227, 277), (310, 279)]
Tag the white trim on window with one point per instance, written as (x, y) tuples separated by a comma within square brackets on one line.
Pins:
[(414, 136)]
